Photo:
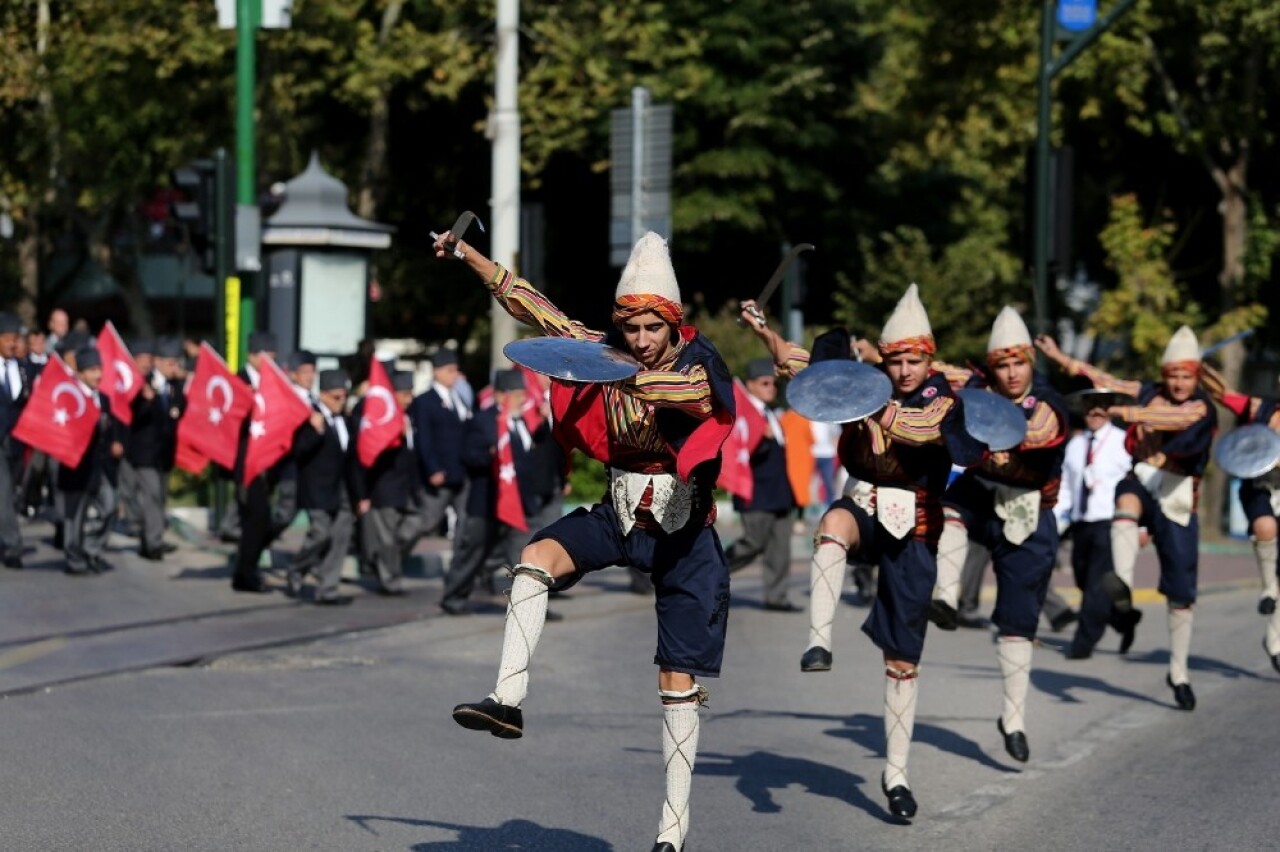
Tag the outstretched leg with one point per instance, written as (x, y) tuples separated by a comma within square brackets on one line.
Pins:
[(837, 535), (681, 700), (901, 686), (1014, 654)]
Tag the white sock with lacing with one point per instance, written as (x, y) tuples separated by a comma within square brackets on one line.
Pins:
[(1124, 547), (1179, 643), (953, 549), (1266, 553), (900, 691), (826, 579), (1014, 654), (1273, 633), (526, 615), (679, 750)]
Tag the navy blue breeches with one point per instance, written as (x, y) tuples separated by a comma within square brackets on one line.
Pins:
[(1177, 547)]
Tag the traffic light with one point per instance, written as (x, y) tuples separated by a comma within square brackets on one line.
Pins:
[(206, 210)]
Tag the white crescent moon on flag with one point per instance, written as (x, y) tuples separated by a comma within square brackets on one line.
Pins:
[(260, 402), (219, 383), (68, 387), (388, 403), (124, 382)]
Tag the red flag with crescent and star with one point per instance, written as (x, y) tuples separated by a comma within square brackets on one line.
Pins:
[(277, 414), (382, 422), (121, 378), (748, 430), (217, 403), (60, 417)]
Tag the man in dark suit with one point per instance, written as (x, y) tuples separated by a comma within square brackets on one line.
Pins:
[(766, 520), (389, 499), (14, 391), (152, 442), (253, 501), (440, 416), (483, 533), (89, 489), (322, 449)]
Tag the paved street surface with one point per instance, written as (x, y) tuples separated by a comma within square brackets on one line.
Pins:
[(152, 708)]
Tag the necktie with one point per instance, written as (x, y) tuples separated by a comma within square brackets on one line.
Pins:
[(1084, 478), (13, 379)]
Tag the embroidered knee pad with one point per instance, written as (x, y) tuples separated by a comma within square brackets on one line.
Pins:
[(897, 674), (1125, 516), (697, 694)]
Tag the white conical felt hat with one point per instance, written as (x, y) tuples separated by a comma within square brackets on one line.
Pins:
[(1183, 346), (908, 319), (648, 271), (1008, 331)]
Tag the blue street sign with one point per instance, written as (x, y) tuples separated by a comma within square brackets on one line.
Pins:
[(1077, 15)]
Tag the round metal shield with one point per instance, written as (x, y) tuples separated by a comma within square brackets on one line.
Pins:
[(572, 360), (1248, 452), (992, 419), (1083, 400), (839, 391)]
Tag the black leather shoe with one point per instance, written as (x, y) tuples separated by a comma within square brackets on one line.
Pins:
[(942, 614), (166, 547), (1182, 694), (1266, 606), (1117, 591), (1275, 658), (488, 715), (901, 803), (786, 606), (391, 593), (1063, 620), (1074, 652), (1015, 743), (455, 607), (13, 563), (336, 600), (971, 622), (664, 846), (255, 587), (150, 555), (1126, 635), (293, 584), (816, 660)]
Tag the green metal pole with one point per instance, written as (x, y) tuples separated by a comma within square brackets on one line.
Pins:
[(248, 15), (1043, 130)]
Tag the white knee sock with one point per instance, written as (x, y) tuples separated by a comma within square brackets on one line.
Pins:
[(1124, 548), (1014, 654), (826, 579), (953, 549), (1273, 633), (900, 691), (679, 750), (1179, 644), (526, 614), (1266, 553)]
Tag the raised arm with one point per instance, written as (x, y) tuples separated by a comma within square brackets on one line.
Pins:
[(957, 377), (1163, 417), (689, 392), (518, 297), (788, 358), (1216, 386), (1075, 367), (916, 426)]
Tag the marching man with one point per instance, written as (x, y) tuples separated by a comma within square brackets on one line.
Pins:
[(660, 433)]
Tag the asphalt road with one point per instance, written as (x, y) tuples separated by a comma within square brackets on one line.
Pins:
[(345, 742)]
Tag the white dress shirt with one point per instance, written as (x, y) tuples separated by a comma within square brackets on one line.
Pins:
[(775, 426), (1100, 465)]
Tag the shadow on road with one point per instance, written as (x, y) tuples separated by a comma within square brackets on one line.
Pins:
[(513, 834), (759, 773), (1061, 686)]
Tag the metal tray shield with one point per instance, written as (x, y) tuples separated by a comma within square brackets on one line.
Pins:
[(839, 391), (572, 360), (992, 419), (1249, 451)]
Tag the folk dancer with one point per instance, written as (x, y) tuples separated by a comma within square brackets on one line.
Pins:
[(660, 432), (1260, 499), (900, 459), (1169, 434), (1005, 504)]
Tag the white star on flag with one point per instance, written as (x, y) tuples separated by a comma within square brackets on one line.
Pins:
[(744, 457), (60, 416), (257, 429), (215, 416), (507, 472)]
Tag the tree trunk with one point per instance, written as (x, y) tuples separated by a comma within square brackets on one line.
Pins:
[(29, 273), (373, 172), (1234, 243)]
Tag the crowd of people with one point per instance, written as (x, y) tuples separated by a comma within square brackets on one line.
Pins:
[(913, 498)]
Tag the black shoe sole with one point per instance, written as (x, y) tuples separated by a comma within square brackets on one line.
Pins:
[(943, 615), (821, 665), (474, 720), (1266, 606)]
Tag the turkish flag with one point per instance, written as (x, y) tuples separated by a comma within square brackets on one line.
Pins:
[(217, 404), (188, 458), (121, 378), (60, 418), (510, 508), (277, 413), (748, 430), (382, 422)]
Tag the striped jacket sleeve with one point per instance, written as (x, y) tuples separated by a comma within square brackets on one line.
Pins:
[(919, 425), (1044, 428), (687, 391), (524, 302), (1102, 380), (1166, 418)]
